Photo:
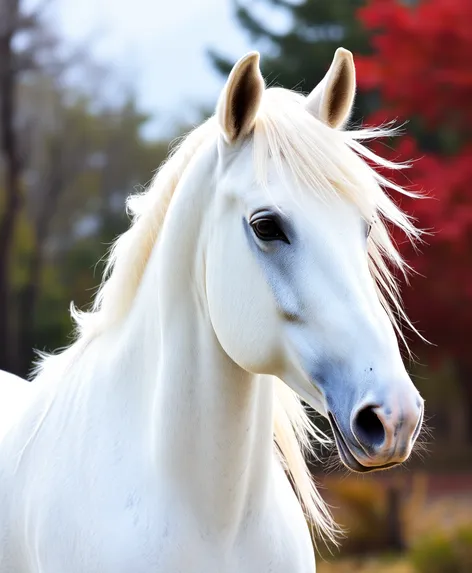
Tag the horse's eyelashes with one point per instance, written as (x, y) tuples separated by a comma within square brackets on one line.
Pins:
[(268, 229)]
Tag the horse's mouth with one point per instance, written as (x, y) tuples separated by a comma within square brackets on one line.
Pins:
[(347, 457)]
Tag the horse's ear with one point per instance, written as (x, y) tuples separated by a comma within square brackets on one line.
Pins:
[(240, 99), (332, 99)]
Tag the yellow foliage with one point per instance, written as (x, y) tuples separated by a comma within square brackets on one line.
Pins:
[(365, 566)]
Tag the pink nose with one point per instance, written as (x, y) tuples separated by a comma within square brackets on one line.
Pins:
[(385, 435)]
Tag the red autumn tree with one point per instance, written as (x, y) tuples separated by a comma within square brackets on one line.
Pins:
[(421, 68)]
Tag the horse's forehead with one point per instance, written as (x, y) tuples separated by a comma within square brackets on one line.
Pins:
[(281, 189), (303, 205)]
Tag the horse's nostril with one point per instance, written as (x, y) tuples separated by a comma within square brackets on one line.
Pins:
[(368, 428)]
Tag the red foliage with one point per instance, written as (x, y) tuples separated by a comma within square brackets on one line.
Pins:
[(421, 61), (421, 68), (439, 297)]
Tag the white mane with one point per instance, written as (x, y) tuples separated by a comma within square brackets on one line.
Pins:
[(324, 159)]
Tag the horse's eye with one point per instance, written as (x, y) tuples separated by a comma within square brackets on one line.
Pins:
[(267, 229)]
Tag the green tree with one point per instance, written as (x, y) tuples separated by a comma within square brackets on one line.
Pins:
[(297, 52), (67, 161), (85, 162)]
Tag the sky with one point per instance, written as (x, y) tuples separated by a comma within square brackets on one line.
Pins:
[(158, 47)]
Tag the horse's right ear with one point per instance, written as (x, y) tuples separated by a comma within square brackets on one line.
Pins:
[(240, 99), (332, 99)]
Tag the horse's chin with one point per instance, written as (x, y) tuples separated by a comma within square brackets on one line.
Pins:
[(348, 458)]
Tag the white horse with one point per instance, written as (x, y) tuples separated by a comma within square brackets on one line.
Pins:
[(161, 440)]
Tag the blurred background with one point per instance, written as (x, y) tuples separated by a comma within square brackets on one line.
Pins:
[(93, 92)]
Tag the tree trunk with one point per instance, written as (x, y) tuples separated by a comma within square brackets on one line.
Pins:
[(27, 313), (11, 203), (32, 290), (395, 534)]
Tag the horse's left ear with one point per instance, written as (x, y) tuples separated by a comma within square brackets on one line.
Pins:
[(332, 99), (240, 99)]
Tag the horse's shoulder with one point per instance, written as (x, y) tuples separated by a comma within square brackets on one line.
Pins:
[(14, 397), (12, 389), (9, 378)]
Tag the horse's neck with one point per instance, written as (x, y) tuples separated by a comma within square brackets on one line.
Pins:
[(211, 422), (212, 425)]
